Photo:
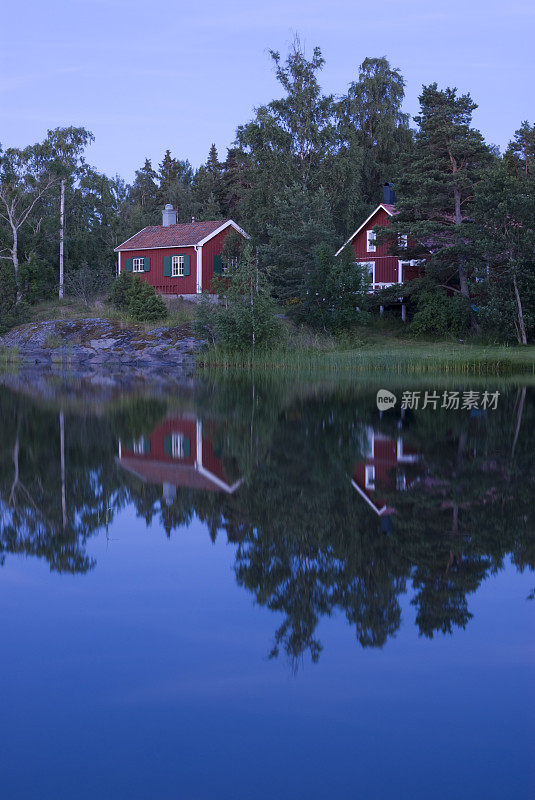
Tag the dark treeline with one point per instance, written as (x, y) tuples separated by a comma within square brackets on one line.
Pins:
[(299, 177), (306, 544)]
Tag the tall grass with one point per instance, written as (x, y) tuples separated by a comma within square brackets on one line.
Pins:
[(407, 359)]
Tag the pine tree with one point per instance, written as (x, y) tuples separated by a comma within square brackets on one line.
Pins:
[(208, 188), (145, 193), (436, 188), (521, 151)]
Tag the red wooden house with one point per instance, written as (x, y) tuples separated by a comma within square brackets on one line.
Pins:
[(386, 465), (384, 269), (180, 452), (177, 259)]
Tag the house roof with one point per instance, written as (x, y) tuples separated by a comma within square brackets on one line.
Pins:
[(390, 210), (184, 234), (185, 475)]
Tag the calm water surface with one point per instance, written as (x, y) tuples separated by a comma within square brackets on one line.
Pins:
[(266, 590)]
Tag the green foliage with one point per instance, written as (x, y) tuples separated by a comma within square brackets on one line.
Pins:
[(144, 304), (87, 283), (120, 291), (245, 316), (504, 210), (8, 296), (436, 186), (37, 279), (137, 298), (438, 314), (303, 225), (336, 296)]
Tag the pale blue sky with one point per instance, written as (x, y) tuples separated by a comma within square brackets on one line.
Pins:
[(144, 76)]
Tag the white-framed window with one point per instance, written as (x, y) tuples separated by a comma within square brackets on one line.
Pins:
[(177, 441), (402, 241), (369, 477), (138, 448), (370, 241), (138, 265), (370, 267), (177, 266)]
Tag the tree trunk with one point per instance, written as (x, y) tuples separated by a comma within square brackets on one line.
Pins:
[(62, 467), (61, 229), (463, 279), (523, 339), (15, 259)]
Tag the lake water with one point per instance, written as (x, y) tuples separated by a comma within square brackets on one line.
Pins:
[(267, 589)]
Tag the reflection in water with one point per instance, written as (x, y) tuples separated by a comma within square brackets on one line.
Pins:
[(331, 506)]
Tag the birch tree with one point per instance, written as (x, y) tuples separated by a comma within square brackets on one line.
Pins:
[(25, 177)]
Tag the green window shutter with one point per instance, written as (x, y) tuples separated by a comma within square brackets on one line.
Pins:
[(186, 447), (167, 446), (167, 266), (218, 265), (146, 265), (129, 265), (187, 268), (146, 445)]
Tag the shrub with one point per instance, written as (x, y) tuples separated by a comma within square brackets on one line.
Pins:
[(137, 298), (436, 313), (144, 304), (119, 291), (86, 283)]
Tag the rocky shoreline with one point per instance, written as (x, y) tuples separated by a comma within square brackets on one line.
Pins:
[(103, 349)]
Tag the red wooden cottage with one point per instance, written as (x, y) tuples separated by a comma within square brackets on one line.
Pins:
[(177, 259), (384, 269), (386, 464), (180, 452)]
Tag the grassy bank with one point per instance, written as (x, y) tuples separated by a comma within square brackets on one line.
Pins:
[(383, 347), (387, 355), (180, 311)]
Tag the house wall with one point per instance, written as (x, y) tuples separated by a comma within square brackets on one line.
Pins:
[(187, 427), (386, 266), (186, 285), (177, 286), (212, 248)]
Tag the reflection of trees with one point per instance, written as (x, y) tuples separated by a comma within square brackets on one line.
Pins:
[(472, 507), (59, 482), (307, 546)]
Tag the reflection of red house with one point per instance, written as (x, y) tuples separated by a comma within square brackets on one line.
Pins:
[(385, 466), (179, 452)]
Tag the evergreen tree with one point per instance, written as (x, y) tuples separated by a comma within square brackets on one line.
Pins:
[(303, 223), (208, 188), (504, 211), (145, 194), (521, 151), (437, 185)]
